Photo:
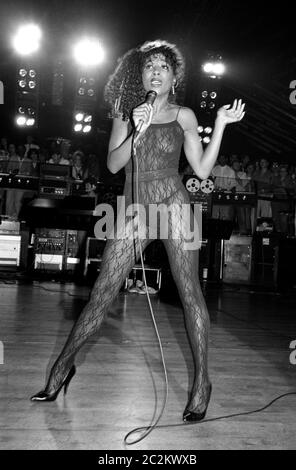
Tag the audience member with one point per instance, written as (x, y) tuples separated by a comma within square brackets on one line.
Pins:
[(79, 168), (30, 144), (283, 189), (262, 178)]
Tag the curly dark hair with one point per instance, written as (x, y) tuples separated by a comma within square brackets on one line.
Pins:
[(124, 89)]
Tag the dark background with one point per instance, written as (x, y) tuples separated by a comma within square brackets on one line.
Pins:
[(256, 40)]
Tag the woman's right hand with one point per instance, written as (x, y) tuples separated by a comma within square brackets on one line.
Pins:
[(142, 117)]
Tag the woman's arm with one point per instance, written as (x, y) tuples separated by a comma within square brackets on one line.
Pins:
[(119, 151), (203, 161), (120, 143)]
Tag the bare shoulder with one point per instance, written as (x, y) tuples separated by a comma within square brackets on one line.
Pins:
[(187, 118)]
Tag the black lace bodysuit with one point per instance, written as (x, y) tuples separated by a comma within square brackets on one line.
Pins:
[(158, 152)]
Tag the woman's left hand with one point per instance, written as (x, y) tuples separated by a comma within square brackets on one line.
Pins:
[(228, 114)]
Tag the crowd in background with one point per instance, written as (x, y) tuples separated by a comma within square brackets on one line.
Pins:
[(27, 159), (273, 182)]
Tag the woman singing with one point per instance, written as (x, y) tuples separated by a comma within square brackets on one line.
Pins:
[(162, 129)]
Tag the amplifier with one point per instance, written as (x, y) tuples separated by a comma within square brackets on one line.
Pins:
[(19, 181), (48, 262), (10, 248), (50, 241), (94, 252), (72, 254), (54, 180), (237, 259), (54, 188), (229, 197)]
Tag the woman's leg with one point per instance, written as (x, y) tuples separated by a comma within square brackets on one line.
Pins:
[(119, 257), (184, 266)]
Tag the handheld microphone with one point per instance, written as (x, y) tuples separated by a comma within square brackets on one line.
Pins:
[(150, 98)]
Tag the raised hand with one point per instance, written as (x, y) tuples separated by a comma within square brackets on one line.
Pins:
[(228, 114)]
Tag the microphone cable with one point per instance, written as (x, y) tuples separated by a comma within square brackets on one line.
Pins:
[(147, 429)]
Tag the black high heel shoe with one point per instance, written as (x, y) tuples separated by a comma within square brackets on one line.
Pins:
[(44, 396), (189, 416)]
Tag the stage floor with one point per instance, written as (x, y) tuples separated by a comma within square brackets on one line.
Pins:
[(120, 377)]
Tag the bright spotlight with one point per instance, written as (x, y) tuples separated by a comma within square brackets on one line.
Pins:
[(30, 122), (78, 127), (21, 120), (27, 39), (218, 68), (89, 52), (208, 68), (79, 116), (86, 129)]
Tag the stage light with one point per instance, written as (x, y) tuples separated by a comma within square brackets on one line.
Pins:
[(28, 80), (21, 120), (30, 122), (218, 69), (86, 88), (88, 52), (27, 39), (82, 122), (78, 127), (26, 115), (32, 73), (214, 67), (31, 112), (79, 116), (208, 67)]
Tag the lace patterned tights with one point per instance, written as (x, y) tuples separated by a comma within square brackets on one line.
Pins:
[(119, 257)]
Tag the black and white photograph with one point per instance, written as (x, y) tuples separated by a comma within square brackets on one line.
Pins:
[(147, 229)]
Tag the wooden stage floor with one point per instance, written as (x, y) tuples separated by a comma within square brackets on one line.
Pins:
[(119, 374)]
